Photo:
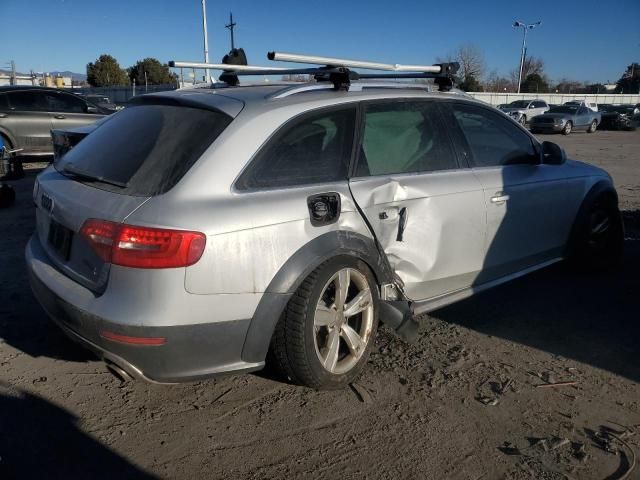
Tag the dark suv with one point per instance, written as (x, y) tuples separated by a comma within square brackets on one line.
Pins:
[(28, 114)]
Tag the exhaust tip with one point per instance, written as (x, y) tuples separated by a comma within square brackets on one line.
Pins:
[(118, 372)]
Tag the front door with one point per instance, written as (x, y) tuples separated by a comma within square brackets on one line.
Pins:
[(68, 111), (525, 200), (425, 209), (28, 121)]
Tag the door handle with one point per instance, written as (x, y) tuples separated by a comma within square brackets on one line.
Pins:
[(499, 198), (60, 117)]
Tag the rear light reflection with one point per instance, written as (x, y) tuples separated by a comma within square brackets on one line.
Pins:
[(129, 340), (143, 247)]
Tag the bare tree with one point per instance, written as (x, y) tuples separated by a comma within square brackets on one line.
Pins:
[(531, 66), (472, 62), (498, 83)]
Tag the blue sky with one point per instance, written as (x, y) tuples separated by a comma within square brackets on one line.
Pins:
[(589, 40)]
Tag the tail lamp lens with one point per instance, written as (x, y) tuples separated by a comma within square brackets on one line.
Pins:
[(143, 247)]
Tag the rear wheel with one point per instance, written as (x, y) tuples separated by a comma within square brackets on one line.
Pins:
[(567, 128), (597, 237), (592, 127), (523, 120), (325, 335)]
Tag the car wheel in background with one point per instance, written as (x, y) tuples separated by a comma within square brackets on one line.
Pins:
[(523, 120), (324, 337), (592, 127), (597, 238), (567, 128)]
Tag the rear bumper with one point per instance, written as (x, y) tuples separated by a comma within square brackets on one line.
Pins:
[(191, 352)]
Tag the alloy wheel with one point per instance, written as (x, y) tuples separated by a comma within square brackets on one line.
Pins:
[(343, 320)]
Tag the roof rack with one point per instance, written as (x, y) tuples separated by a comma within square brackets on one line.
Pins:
[(336, 71)]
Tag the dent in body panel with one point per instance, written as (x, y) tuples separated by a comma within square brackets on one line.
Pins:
[(441, 246)]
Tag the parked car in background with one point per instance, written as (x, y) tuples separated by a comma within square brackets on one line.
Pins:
[(566, 119), (28, 114), (64, 139), (619, 117), (193, 231), (103, 102), (583, 103), (523, 110)]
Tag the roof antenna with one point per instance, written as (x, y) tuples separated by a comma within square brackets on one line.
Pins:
[(231, 25)]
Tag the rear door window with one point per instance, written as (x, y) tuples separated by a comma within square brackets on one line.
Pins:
[(313, 148), (145, 149), (403, 137)]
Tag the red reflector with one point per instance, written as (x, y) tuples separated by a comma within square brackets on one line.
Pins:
[(116, 337), (143, 247)]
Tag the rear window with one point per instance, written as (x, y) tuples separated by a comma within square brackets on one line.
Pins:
[(144, 150)]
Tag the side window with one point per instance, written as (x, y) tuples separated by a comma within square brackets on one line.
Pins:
[(27, 101), (405, 137), (313, 149), (61, 102), (493, 139), (539, 104)]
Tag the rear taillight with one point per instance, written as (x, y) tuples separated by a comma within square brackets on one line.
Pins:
[(143, 247)]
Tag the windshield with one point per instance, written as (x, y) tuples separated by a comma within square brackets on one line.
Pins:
[(520, 104), (143, 150), (563, 109)]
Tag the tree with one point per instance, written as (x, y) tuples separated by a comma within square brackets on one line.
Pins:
[(470, 84), (498, 83), (630, 80), (530, 66), (534, 83), (157, 73), (566, 85), (472, 65), (106, 72)]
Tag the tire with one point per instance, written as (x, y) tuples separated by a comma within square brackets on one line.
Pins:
[(597, 238), (523, 120), (592, 127), (316, 346), (567, 128)]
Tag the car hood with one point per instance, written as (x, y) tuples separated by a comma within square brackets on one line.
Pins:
[(554, 115), (513, 110)]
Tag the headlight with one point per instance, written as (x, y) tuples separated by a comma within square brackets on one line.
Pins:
[(559, 121)]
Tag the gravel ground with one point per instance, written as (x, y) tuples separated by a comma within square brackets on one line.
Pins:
[(463, 402)]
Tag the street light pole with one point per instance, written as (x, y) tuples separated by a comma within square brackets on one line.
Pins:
[(206, 39), (525, 27)]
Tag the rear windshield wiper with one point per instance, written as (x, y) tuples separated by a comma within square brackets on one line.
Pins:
[(69, 168)]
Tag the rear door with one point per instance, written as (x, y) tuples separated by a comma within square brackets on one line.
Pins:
[(29, 121), (425, 209), (526, 201), (69, 111)]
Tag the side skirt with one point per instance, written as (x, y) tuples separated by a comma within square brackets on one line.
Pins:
[(428, 305)]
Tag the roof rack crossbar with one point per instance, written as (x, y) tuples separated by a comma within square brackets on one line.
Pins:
[(334, 70)]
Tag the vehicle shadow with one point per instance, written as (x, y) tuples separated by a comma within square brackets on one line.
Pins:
[(42, 440), (23, 323), (591, 318)]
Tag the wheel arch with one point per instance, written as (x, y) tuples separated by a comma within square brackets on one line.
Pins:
[(5, 133), (295, 270), (601, 189)]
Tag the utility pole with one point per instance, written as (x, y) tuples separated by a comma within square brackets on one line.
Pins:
[(146, 85), (13, 73), (231, 26), (206, 38), (525, 27)]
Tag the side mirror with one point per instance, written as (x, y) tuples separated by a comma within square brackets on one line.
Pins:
[(92, 109), (553, 154), (532, 106)]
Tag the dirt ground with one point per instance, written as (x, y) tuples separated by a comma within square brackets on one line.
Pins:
[(464, 402)]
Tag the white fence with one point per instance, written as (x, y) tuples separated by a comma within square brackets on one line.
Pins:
[(555, 98)]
